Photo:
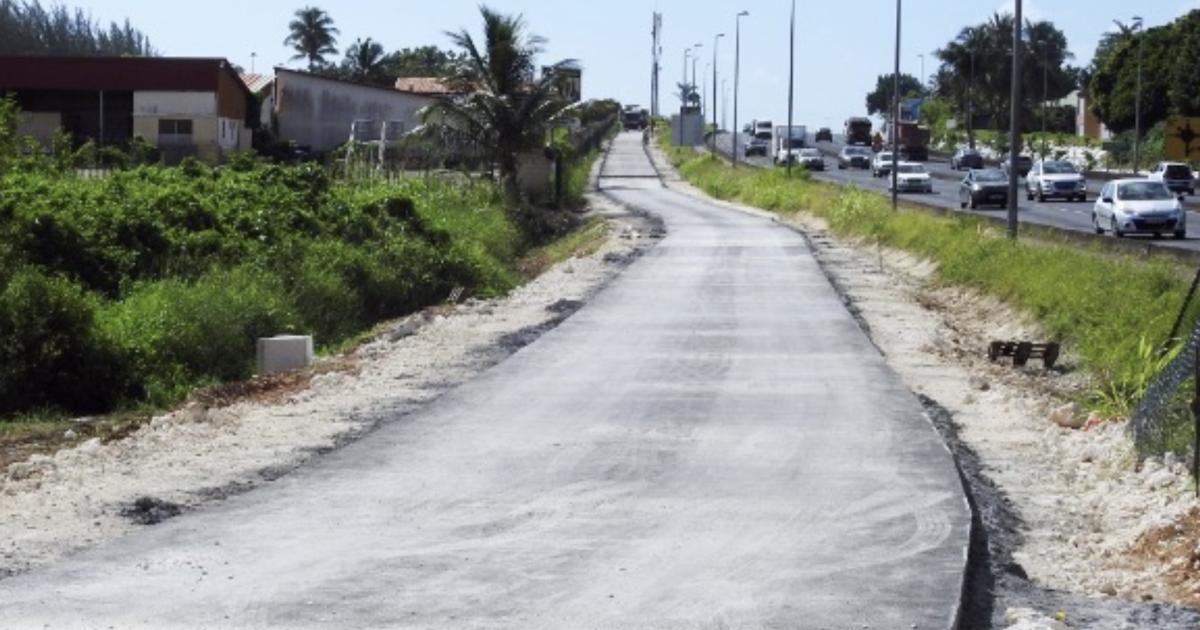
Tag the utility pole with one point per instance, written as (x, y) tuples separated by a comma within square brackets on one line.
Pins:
[(737, 67), (1045, 66), (970, 102), (1014, 121), (655, 52), (695, 58), (922, 57), (1137, 104), (896, 113), (716, 40), (787, 142), (724, 103)]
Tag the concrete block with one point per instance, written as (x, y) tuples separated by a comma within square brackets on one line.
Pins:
[(284, 352)]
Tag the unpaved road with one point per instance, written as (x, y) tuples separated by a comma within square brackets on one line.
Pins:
[(711, 442)]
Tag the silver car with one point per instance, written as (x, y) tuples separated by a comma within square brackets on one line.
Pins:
[(1055, 178), (1138, 206)]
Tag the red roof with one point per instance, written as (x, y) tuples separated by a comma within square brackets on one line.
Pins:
[(428, 86), (257, 82), (127, 74)]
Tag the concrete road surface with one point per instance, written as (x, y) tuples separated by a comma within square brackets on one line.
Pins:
[(712, 442)]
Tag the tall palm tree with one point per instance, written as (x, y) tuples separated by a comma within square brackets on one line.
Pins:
[(312, 36), (364, 60), (503, 106)]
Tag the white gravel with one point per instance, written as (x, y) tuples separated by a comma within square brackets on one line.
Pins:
[(53, 505)]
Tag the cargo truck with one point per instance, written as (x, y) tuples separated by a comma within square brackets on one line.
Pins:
[(634, 117), (912, 140), (786, 144), (858, 131)]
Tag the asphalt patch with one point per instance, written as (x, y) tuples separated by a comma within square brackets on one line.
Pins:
[(150, 511)]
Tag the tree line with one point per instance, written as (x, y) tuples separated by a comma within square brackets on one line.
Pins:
[(313, 37), (28, 28)]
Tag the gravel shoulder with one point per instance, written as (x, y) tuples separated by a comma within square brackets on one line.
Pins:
[(1069, 532), (216, 446)]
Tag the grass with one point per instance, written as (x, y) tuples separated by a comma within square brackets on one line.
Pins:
[(584, 241), (1107, 309)]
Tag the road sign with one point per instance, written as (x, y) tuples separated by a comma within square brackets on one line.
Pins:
[(1182, 136)]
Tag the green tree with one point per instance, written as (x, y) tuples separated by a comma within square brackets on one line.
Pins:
[(504, 107), (28, 28), (312, 35), (423, 61), (364, 61), (879, 100)]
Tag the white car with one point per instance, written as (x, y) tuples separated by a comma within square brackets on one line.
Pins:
[(1176, 175), (1139, 206), (912, 177), (882, 164), (1055, 178)]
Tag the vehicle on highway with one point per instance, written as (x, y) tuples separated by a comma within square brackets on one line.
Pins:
[(912, 139), (983, 186), (1055, 178), (881, 165), (854, 157), (1176, 175), (966, 158), (912, 177), (824, 134), (763, 126), (634, 117), (758, 144), (858, 131), (1139, 206), (811, 159), (787, 143), (1024, 163)]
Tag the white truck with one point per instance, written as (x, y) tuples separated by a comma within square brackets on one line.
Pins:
[(786, 143)]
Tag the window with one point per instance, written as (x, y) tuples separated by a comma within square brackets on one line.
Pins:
[(175, 127)]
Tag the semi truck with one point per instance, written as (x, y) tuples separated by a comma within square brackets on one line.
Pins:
[(786, 143), (912, 140), (858, 131)]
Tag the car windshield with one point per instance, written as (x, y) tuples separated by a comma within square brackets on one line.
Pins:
[(1143, 191), (762, 135), (1178, 171), (990, 175), (810, 153), (885, 156), (856, 151), (911, 168), (1058, 167), (968, 152)]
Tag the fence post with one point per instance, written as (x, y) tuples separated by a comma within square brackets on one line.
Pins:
[(1196, 422)]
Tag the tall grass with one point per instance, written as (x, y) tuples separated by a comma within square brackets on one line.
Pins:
[(1105, 308)]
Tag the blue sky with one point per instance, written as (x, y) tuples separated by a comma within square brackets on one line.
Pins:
[(842, 45)]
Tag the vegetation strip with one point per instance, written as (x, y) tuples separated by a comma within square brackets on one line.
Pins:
[(1112, 312)]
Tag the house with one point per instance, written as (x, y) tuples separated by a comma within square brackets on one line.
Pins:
[(319, 113), (1086, 123), (183, 106)]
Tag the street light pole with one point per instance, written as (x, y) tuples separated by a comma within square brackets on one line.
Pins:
[(971, 103), (1045, 64), (737, 67), (1137, 103), (716, 40), (724, 103), (922, 57), (895, 113), (686, 53), (787, 142), (1014, 121)]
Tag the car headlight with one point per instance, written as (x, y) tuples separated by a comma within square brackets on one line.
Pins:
[(976, 187)]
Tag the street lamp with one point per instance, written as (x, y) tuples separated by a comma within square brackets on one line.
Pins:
[(687, 52), (896, 112), (724, 103), (716, 40), (737, 65), (705, 104), (1137, 102), (1014, 122), (922, 56), (791, 83), (695, 58)]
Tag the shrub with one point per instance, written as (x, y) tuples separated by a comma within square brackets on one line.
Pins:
[(50, 355), (178, 334)]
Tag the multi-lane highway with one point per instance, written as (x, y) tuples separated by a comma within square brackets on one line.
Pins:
[(1073, 216)]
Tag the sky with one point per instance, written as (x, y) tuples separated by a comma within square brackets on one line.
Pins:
[(841, 45)]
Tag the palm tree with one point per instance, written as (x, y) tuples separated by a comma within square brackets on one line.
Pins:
[(503, 106), (364, 60), (312, 36)]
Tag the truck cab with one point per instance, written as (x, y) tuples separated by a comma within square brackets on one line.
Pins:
[(787, 143)]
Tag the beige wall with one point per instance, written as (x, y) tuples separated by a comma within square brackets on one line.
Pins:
[(204, 133)]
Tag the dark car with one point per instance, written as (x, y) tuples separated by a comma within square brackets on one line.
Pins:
[(854, 157), (966, 158), (982, 187), (757, 145), (824, 135), (1024, 165)]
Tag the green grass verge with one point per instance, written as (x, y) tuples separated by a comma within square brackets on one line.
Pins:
[(1112, 312), (581, 242)]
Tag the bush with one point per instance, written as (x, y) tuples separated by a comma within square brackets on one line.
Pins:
[(50, 355), (177, 334)]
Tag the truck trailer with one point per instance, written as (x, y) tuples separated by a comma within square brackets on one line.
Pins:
[(786, 144), (858, 131)]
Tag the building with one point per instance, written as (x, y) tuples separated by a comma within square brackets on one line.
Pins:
[(1086, 123), (318, 113), (183, 106), (431, 87)]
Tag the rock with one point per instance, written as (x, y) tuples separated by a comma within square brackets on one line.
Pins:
[(979, 383), (70, 434), (1160, 479), (1067, 416), (90, 446)]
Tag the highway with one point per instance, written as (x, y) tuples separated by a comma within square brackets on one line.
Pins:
[(711, 442), (1066, 215)]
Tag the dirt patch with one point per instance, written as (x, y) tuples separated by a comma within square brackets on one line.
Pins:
[(1173, 548), (236, 437)]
